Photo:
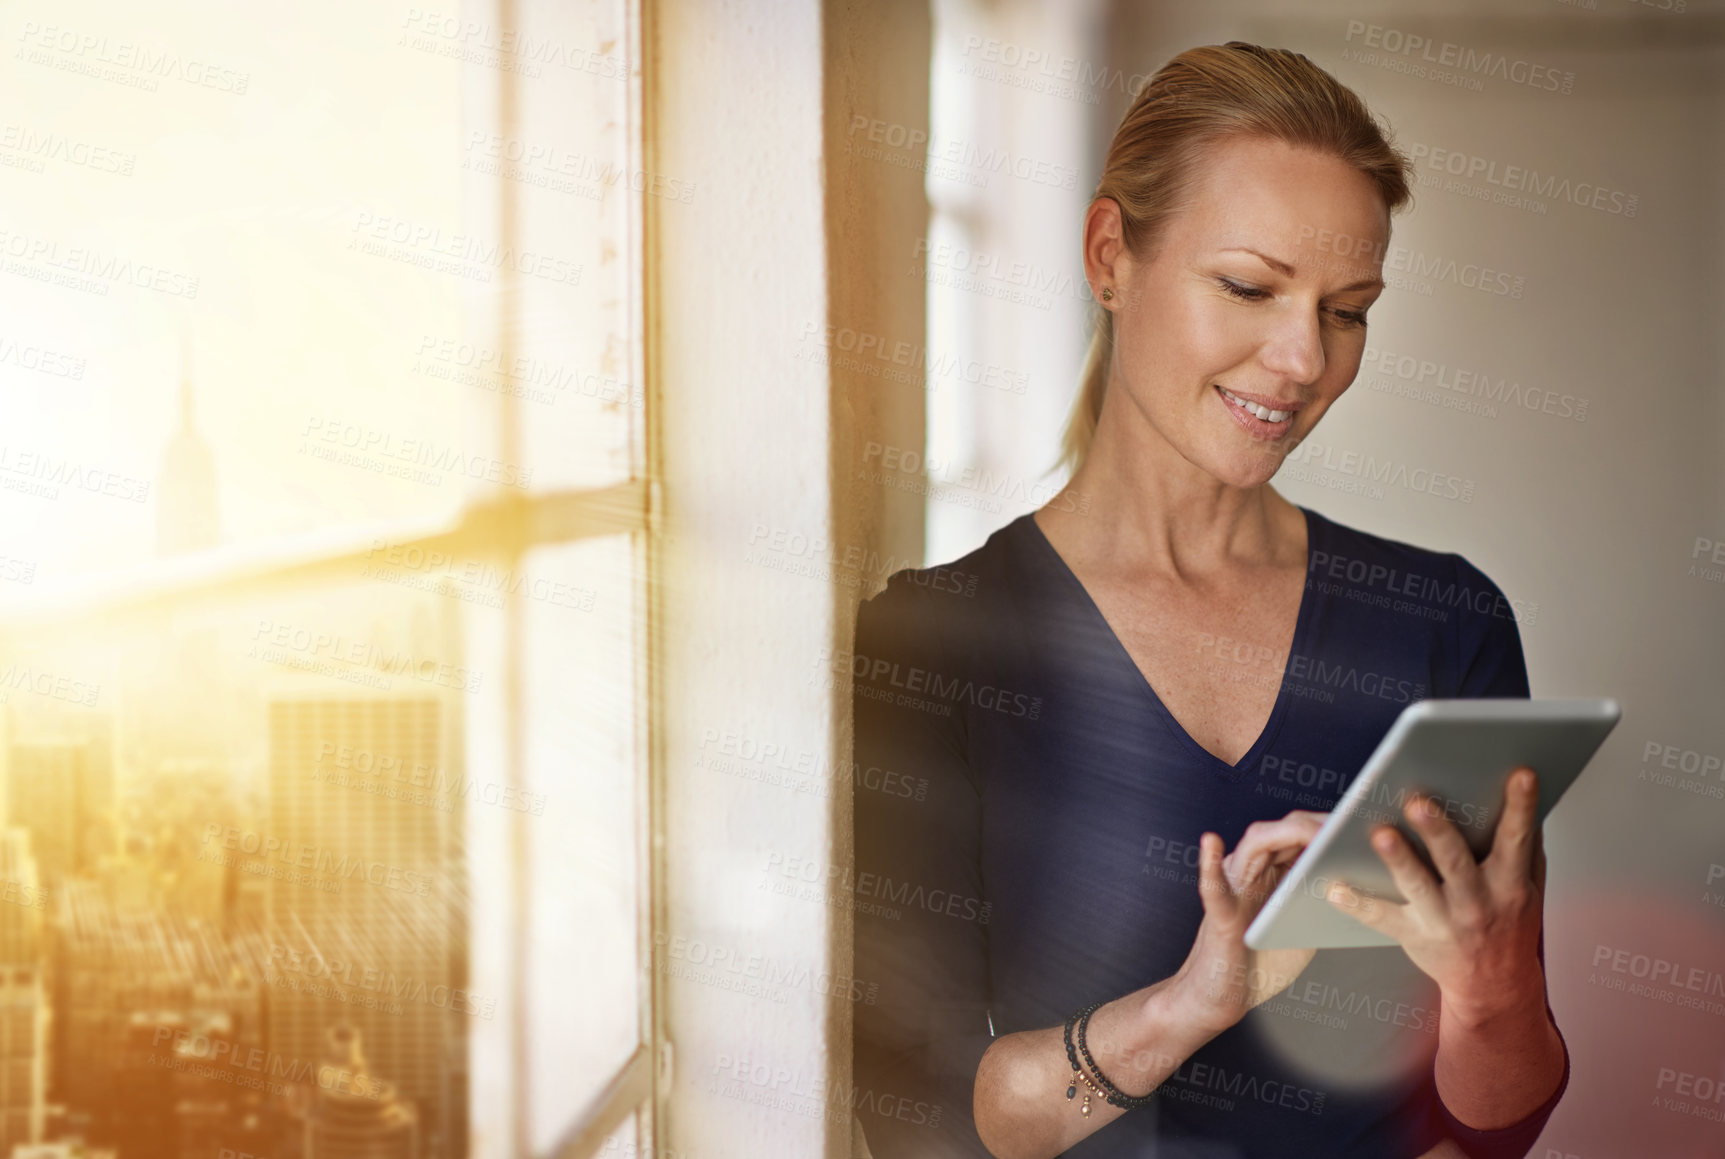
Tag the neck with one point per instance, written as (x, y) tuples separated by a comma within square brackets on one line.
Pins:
[(1146, 506)]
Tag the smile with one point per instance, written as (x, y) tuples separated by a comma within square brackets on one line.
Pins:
[(1252, 408)]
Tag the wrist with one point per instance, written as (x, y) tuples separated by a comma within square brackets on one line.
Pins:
[(1199, 1006), (1173, 1017), (1502, 1008)]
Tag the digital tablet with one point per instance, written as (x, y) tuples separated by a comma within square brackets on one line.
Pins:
[(1459, 752)]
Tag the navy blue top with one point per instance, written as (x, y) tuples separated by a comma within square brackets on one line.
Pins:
[(1038, 848)]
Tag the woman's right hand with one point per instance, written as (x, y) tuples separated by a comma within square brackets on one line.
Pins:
[(1222, 978)]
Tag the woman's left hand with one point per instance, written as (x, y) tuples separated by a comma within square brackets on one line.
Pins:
[(1476, 933)]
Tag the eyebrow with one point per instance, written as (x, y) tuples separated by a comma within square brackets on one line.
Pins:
[(1287, 270)]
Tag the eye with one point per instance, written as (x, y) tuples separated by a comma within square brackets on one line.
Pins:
[(1242, 291), (1350, 317)]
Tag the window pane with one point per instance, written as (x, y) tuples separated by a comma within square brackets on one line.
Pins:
[(994, 432), (583, 760), (246, 242), (237, 834), (623, 1143), (364, 844), (567, 164)]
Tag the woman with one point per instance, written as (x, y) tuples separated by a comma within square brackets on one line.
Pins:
[(1136, 683)]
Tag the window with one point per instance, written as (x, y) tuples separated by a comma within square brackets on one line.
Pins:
[(326, 598), (1008, 179)]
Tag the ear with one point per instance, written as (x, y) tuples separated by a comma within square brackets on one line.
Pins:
[(1106, 260)]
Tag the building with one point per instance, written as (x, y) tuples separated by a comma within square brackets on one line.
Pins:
[(126, 978), (356, 1115), (23, 1055), (364, 932), (187, 514), (61, 1151), (23, 996), (59, 785), (23, 900)]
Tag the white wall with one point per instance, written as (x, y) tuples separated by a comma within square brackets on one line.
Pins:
[(771, 536), (740, 643)]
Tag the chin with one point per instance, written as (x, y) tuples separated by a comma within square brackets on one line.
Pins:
[(1244, 471)]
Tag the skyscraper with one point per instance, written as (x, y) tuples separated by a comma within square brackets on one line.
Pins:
[(59, 784), (42, 791), (359, 896), (187, 516), (23, 996), (62, 792), (22, 900)]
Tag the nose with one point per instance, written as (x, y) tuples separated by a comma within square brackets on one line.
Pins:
[(1295, 348)]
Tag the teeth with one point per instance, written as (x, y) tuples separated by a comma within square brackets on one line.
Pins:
[(1263, 412)]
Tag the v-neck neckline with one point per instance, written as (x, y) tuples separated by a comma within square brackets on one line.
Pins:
[(1277, 711)]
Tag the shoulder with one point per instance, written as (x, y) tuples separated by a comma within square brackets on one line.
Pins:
[(1345, 553), (1479, 623), (949, 619), (946, 593)]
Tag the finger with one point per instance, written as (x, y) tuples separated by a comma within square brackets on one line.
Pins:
[(1425, 896), (1256, 890), (1274, 867), (1260, 889), (1448, 848), (1261, 879), (1250, 872), (1307, 822), (1239, 870), (1386, 917), (1512, 847), (1295, 832), (1213, 889), (1274, 858)]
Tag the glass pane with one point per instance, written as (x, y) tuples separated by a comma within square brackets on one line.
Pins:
[(237, 829), (623, 1143), (277, 879), (235, 249), (1005, 160), (583, 755), (567, 168)]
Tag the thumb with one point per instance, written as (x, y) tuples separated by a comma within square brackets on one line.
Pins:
[(1213, 888)]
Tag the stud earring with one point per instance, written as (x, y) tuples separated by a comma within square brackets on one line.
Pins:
[(1107, 295)]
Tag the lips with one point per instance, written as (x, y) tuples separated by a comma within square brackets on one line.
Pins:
[(1267, 411), (1248, 415)]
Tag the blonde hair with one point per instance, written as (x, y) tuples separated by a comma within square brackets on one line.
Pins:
[(1196, 99)]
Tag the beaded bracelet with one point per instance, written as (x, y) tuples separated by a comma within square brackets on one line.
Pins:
[(1072, 1057), (1114, 1095)]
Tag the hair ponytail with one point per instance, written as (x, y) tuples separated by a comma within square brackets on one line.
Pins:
[(1092, 381)]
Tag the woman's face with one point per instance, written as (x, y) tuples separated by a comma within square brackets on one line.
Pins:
[(1257, 289)]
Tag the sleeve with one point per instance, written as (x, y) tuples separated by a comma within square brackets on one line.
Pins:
[(1492, 664), (1516, 1140), (921, 915)]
